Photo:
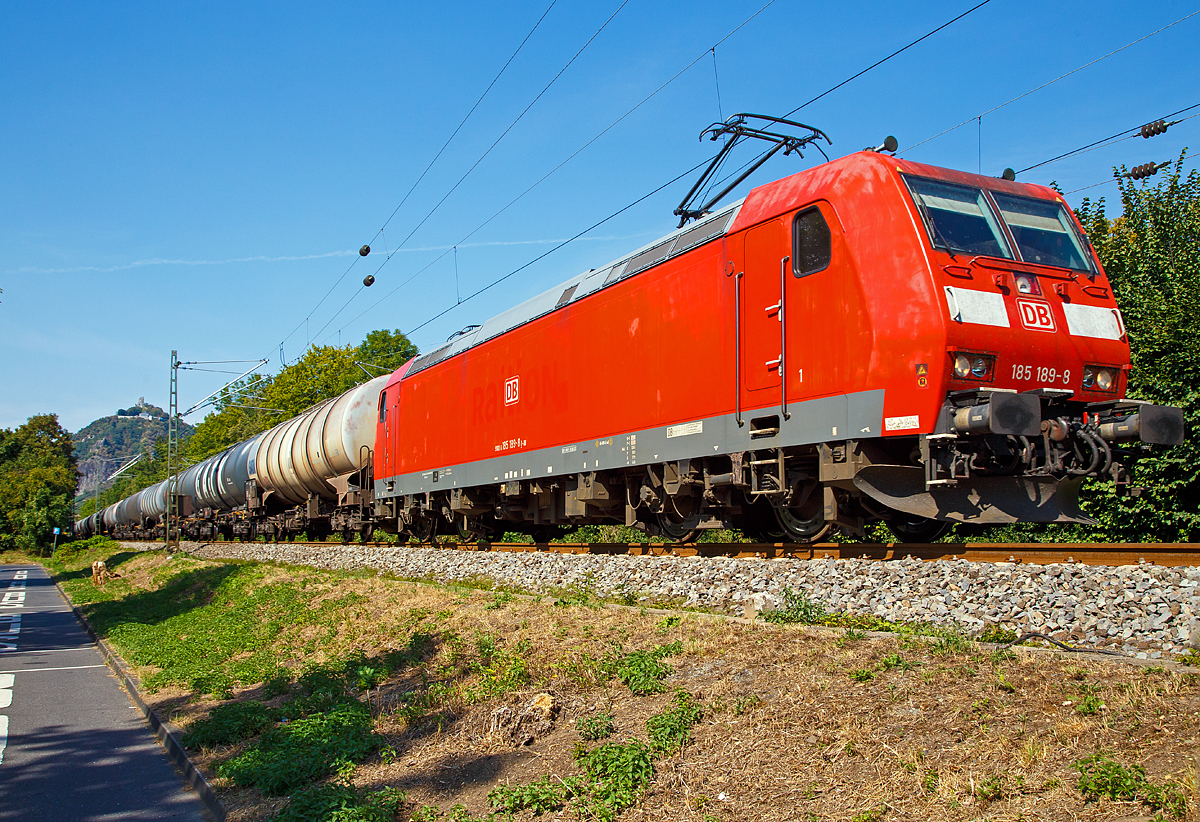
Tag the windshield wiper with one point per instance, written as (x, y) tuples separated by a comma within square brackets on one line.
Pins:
[(937, 232)]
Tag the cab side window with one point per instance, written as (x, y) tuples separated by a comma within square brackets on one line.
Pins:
[(383, 407), (811, 246)]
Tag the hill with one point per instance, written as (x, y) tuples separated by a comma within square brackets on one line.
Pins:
[(103, 445)]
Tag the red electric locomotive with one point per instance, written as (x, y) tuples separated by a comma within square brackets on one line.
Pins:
[(872, 339), (869, 339)]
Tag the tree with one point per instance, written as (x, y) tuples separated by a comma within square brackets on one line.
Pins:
[(322, 373), (1151, 254), (37, 483), (386, 349)]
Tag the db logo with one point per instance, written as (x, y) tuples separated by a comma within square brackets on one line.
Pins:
[(1035, 315), (511, 392)]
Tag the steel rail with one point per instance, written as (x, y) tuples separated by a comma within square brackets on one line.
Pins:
[(1170, 555)]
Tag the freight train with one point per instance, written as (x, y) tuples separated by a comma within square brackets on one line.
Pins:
[(870, 339)]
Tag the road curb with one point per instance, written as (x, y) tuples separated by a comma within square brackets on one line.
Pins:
[(167, 734)]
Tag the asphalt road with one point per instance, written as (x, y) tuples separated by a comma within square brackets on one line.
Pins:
[(73, 747)]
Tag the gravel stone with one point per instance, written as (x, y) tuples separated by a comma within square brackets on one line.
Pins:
[(1132, 607)]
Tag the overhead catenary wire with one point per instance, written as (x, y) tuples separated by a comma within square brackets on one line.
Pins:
[(1128, 133), (568, 159), (475, 165), (1048, 83), (593, 226), (445, 145), (885, 59)]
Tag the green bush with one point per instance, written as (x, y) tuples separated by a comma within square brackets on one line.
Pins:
[(99, 542)]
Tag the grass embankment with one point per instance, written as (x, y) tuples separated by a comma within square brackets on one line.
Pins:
[(308, 695)]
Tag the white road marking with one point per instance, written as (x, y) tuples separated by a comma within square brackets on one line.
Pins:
[(38, 670), (3, 735), (6, 684)]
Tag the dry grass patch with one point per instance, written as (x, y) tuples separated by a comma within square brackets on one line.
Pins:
[(794, 723)]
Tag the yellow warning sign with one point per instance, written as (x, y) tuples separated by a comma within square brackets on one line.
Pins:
[(922, 382), (922, 369)]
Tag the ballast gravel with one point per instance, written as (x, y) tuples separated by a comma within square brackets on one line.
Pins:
[(1143, 610)]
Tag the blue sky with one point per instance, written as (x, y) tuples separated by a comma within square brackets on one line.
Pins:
[(199, 176)]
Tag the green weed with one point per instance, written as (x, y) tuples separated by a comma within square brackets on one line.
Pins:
[(642, 671), (746, 703), (797, 609), (227, 724), (1091, 702), (498, 600), (618, 772), (339, 802), (302, 751), (670, 730), (895, 661), (537, 797), (990, 789), (862, 674), (1101, 775), (667, 623), (595, 728), (996, 634)]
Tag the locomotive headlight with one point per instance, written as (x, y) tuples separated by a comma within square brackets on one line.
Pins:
[(1099, 378), (968, 366), (1024, 284), (962, 366)]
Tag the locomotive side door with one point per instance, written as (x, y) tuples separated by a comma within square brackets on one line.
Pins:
[(761, 329)]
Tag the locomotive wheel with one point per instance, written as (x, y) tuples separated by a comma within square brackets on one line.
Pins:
[(678, 519), (910, 528), (805, 523), (676, 529), (423, 528)]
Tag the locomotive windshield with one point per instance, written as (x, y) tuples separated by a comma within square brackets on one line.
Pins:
[(1042, 231), (972, 220), (959, 218)]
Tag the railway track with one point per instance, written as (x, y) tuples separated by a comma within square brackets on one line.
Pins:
[(1127, 553)]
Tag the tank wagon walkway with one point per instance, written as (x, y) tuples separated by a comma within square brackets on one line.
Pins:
[(72, 745)]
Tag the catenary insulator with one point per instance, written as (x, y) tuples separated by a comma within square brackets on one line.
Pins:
[(368, 280), (1154, 129), (364, 251)]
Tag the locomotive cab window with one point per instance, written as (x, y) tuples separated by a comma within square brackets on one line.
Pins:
[(958, 218), (811, 246), (1043, 232), (383, 407)]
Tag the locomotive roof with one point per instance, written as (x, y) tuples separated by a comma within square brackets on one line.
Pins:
[(707, 228), (763, 202)]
